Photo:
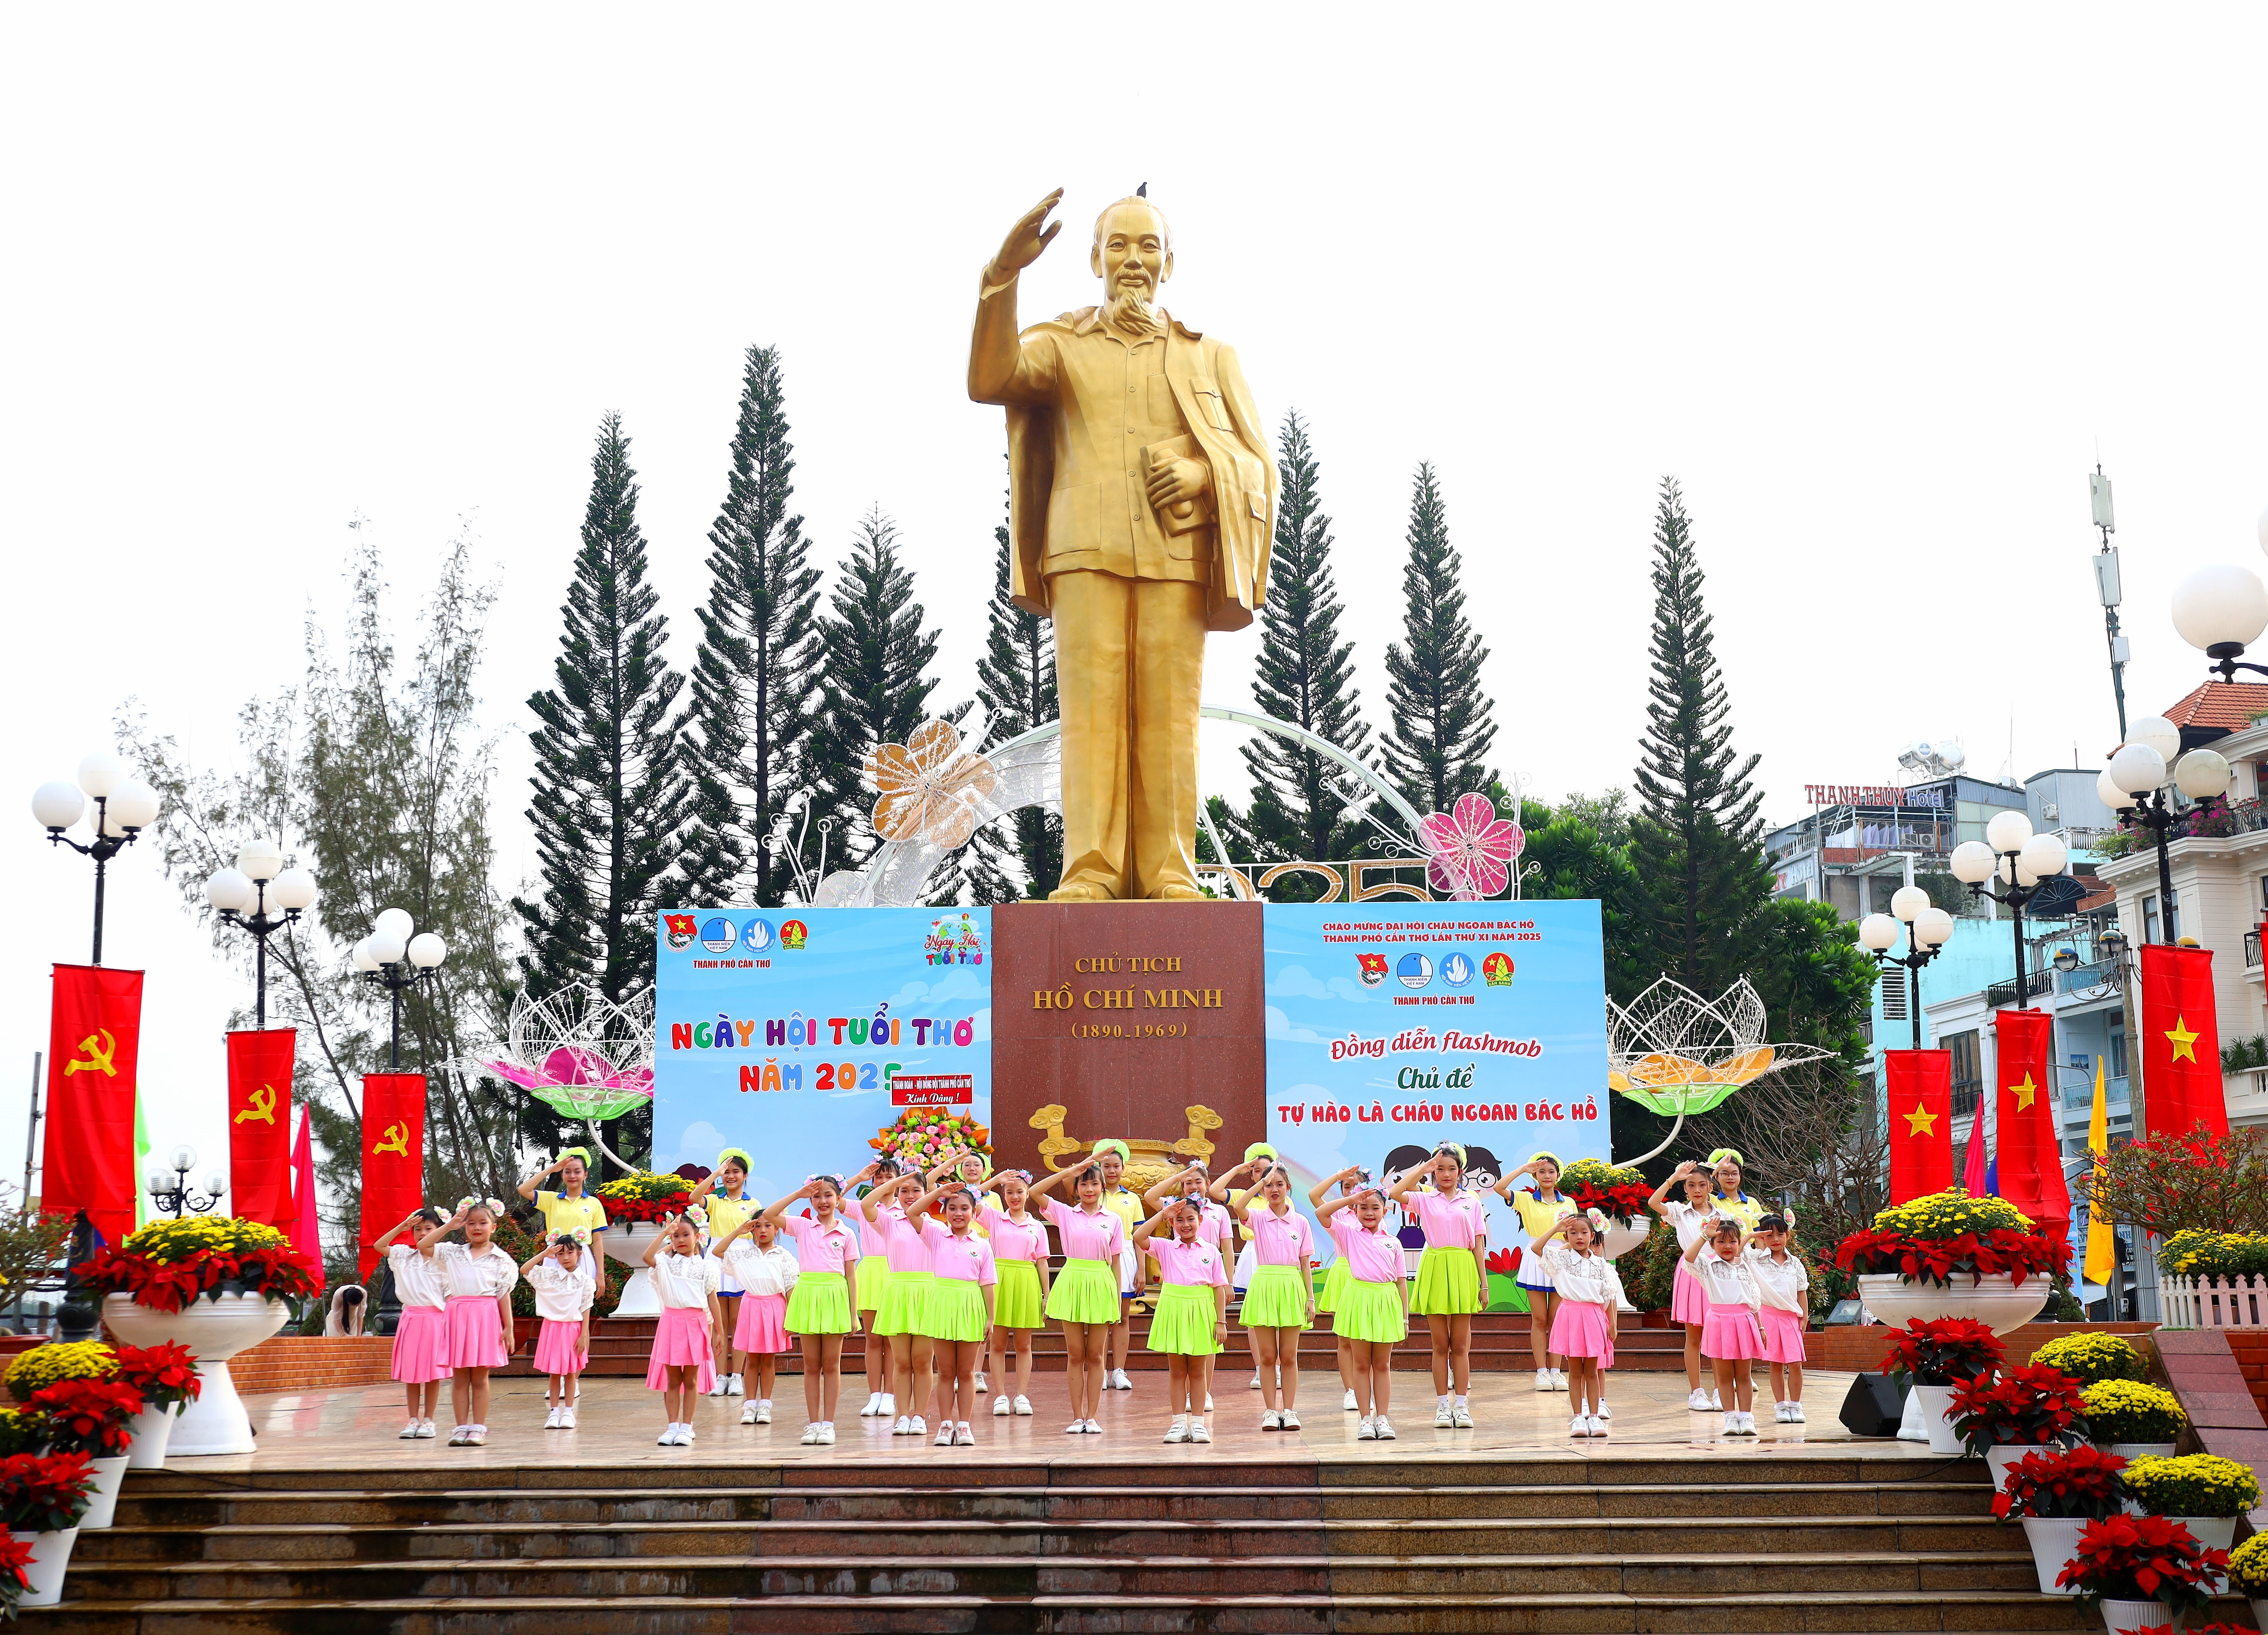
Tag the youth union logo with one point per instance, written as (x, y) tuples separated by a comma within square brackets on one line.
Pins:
[(756, 936), (1457, 969), (717, 935), (677, 931), (1415, 971), (1371, 968)]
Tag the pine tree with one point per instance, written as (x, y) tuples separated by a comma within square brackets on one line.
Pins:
[(1301, 797), (875, 686), (610, 786), (1442, 726), (1696, 837), (1016, 683), (755, 692)]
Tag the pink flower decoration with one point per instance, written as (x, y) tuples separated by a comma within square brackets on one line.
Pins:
[(1469, 849), (570, 1066)]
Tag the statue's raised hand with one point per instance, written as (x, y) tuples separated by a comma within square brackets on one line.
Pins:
[(1026, 239)]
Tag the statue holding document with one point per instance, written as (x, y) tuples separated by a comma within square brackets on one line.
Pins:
[(1141, 501)]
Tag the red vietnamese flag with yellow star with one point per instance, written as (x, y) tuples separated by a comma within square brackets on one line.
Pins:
[(1921, 1088), (2181, 1043), (2028, 1152)]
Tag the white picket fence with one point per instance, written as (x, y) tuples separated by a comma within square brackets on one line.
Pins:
[(2212, 1303)]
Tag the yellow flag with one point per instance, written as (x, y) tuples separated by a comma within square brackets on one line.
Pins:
[(2102, 1247)]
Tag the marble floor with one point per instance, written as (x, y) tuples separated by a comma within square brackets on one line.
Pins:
[(357, 1428)]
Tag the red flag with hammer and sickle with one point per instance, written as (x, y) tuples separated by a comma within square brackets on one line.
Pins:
[(393, 1154), (260, 1127), (94, 1047)]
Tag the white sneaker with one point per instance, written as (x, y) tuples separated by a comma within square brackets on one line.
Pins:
[(738, 1388), (1179, 1431), (1580, 1425), (409, 1431), (1795, 1414), (827, 1433), (917, 1426), (873, 1405), (566, 1418), (1023, 1408), (550, 1422), (1443, 1419), (1543, 1379), (1119, 1381), (425, 1430), (963, 1437), (980, 1382), (724, 1386), (1716, 1402), (944, 1434), (1269, 1421), (1288, 1420), (1461, 1416), (1076, 1428), (1095, 1427), (810, 1434), (1255, 1381), (685, 1435), (1208, 1402), (1731, 1427), (1698, 1403), (1197, 1432), (1368, 1431), (765, 1413), (1381, 1429), (1779, 1413), (904, 1427), (1604, 1412), (1348, 1405), (1000, 1407), (668, 1438), (748, 1414), (1558, 1380), (1598, 1426), (888, 1407)]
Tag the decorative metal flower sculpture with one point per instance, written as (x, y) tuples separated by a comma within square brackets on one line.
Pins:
[(1469, 849), (1672, 1051), (579, 1052), (929, 787)]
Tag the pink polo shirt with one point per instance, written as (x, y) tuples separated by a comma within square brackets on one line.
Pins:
[(821, 1248), (871, 1240), (957, 1260), (1097, 1236), (1197, 1262), (907, 1253), (1216, 1223), (1280, 1240), (1456, 1223), (1371, 1257), (1011, 1241)]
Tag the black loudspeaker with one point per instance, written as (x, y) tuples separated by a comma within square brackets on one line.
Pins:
[(1875, 1405)]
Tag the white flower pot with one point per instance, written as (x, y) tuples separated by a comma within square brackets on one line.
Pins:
[(2131, 1617), (2001, 1456), (214, 1329), (1996, 1301), (628, 1246), (1620, 1238), (2138, 1450), (2259, 1613), (153, 1432), (109, 1475), (1936, 1405), (2215, 1533), (2054, 1541), (50, 1557)]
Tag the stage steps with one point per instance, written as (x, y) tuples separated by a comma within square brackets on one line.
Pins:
[(1544, 1545), (619, 1345)]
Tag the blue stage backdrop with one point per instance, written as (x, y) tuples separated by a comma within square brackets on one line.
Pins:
[(799, 1034), (1395, 1026)]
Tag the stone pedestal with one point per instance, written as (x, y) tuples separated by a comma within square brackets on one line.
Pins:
[(1125, 1015)]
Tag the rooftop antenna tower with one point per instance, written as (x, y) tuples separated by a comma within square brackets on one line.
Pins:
[(2106, 587)]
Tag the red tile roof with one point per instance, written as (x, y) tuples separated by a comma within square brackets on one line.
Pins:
[(2224, 706)]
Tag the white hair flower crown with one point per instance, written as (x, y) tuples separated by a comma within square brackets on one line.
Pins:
[(1598, 1220), (579, 1236), (493, 1205), (697, 1215)]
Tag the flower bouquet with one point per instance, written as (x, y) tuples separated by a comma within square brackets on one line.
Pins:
[(643, 1197), (1949, 1234), (169, 1264), (2033, 1406), (42, 1497), (2090, 1358), (2133, 1419), (2142, 1570), (2203, 1493), (923, 1136)]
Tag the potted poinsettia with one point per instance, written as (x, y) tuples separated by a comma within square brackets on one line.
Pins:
[(42, 1496), (1938, 1355), (1618, 1193), (635, 1206), (2142, 1570), (166, 1376), (94, 1417), (215, 1284), (2134, 1420), (2003, 1417), (15, 1574), (1949, 1255), (2204, 1493), (2054, 1494)]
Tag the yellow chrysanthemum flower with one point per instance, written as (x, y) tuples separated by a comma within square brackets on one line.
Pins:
[(43, 1365)]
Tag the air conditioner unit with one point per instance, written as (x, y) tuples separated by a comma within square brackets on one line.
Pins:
[(2048, 811)]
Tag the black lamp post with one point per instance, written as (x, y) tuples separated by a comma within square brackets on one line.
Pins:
[(1927, 928), (2134, 785), (261, 896), (2020, 863), (393, 960), (123, 808), (172, 1196)]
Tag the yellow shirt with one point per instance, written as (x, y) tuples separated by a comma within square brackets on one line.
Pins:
[(1746, 1211), (727, 1215), (562, 1214), (1126, 1203), (1538, 1218)]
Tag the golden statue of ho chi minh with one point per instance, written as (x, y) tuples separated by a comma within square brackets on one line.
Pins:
[(1141, 501)]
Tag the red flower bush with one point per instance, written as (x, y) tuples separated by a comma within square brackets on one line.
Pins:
[(1622, 1202), (44, 1492), (2142, 1559), (165, 1373), (88, 1416), (15, 1571), (1945, 1351), (1940, 1260), (621, 1212), (2079, 1484), (279, 1272), (2035, 1405)]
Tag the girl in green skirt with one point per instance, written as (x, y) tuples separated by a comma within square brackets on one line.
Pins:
[(897, 1214), (1019, 1255), (1373, 1305), (1335, 1279), (1191, 1324), (1280, 1300), (1085, 1298), (821, 1309), (1451, 1285), (958, 1311), (873, 1283)]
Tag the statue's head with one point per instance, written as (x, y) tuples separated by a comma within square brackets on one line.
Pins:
[(1133, 251)]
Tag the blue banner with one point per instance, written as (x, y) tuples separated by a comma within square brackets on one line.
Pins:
[(802, 1034)]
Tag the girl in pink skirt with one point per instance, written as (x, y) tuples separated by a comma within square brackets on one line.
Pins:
[(1687, 1305), (1590, 1297), (421, 1343), (1731, 1339), (563, 1304), (1785, 1287), (766, 1270), (683, 1363), (478, 1278)]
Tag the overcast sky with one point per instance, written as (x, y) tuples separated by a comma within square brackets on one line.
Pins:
[(1878, 284)]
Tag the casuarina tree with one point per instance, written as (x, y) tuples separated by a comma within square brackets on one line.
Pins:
[(1443, 728), (1021, 856)]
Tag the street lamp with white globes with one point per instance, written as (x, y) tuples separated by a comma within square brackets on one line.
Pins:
[(2020, 861), (2133, 786), (171, 1195), (380, 958), (1928, 929), (123, 808), (261, 896), (2222, 609)]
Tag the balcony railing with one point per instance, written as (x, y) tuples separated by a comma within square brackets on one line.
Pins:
[(2001, 994), (2252, 951)]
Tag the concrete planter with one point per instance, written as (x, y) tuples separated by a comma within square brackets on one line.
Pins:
[(214, 1329), (628, 1245)]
